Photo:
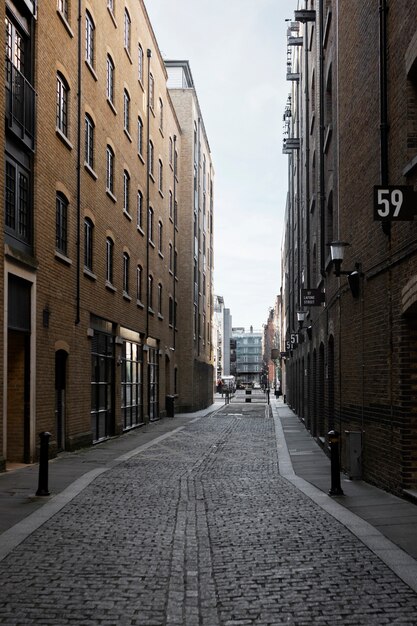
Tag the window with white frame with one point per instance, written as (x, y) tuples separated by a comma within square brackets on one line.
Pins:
[(151, 91), (139, 274), (61, 223), (140, 136), (109, 259), (89, 39), (89, 141), (150, 157), (110, 169), (88, 244), (170, 205), (160, 176), (150, 291), (127, 31), (171, 150), (126, 264), (160, 236), (139, 210), (161, 115), (159, 299), (150, 224), (171, 258), (62, 93), (140, 63), (110, 79), (126, 111), (126, 192)]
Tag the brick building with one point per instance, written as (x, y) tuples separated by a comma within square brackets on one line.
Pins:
[(350, 127), (96, 243)]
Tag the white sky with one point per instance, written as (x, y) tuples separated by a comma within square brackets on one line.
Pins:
[(237, 54)]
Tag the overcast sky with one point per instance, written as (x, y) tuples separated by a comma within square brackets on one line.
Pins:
[(237, 54)]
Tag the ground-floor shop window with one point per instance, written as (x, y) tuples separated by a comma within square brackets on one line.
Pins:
[(102, 386), (153, 373), (132, 407)]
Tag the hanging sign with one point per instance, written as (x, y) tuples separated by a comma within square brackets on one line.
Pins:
[(311, 297)]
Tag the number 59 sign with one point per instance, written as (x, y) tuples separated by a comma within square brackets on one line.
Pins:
[(395, 203)]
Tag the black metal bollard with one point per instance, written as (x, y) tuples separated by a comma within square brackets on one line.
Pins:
[(43, 464), (334, 440)]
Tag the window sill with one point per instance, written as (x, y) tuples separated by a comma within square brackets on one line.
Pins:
[(112, 17), (151, 243), (111, 195), (410, 167), (140, 304), (129, 55), (141, 84), (65, 23), (151, 176), (151, 311), (141, 231), (127, 215), (60, 256), (110, 286), (89, 274), (111, 105), (64, 139), (126, 296), (161, 193), (90, 170), (141, 158), (161, 131), (160, 254), (92, 70), (126, 132), (160, 317)]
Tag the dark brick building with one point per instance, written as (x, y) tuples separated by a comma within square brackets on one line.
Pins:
[(351, 127)]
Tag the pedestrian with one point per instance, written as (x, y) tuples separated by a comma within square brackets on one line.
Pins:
[(267, 393)]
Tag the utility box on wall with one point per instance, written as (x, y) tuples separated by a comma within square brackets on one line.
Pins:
[(353, 456)]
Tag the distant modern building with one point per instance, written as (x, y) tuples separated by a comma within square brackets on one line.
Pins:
[(246, 355), (227, 331)]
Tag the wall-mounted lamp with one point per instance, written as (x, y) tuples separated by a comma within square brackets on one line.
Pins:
[(301, 317), (337, 253)]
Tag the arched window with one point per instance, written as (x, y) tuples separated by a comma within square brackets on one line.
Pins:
[(89, 39), (62, 98), (61, 223), (89, 141), (127, 31), (110, 169), (109, 259), (126, 264), (88, 244), (110, 79), (126, 191), (126, 110)]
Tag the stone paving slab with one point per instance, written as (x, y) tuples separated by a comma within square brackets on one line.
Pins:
[(201, 528)]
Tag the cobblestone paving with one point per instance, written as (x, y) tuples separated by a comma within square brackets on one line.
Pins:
[(199, 530)]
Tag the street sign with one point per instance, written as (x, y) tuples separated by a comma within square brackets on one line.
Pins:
[(394, 203), (311, 297)]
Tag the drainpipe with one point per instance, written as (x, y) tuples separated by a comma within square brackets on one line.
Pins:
[(148, 114), (174, 312), (383, 100), (307, 148), (321, 142), (78, 237), (198, 233)]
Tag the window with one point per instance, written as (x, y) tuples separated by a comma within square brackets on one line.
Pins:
[(161, 115), (127, 24), (176, 213), (171, 150), (17, 202), (150, 291), (109, 169), (139, 212), (140, 136), (131, 391), (126, 111), (62, 104), (171, 311), (175, 262), (110, 79), (150, 157), (171, 258), (126, 191), (140, 63), (109, 260), (89, 39), (160, 236), (63, 8), (151, 91), (160, 176), (150, 224), (159, 299), (139, 274), (89, 141), (170, 205), (88, 244), (126, 263), (61, 223)]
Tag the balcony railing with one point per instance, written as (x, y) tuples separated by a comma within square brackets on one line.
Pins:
[(20, 105)]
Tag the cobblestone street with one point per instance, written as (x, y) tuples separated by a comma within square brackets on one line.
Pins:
[(200, 528)]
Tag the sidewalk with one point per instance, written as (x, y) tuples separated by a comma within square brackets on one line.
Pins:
[(394, 517)]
